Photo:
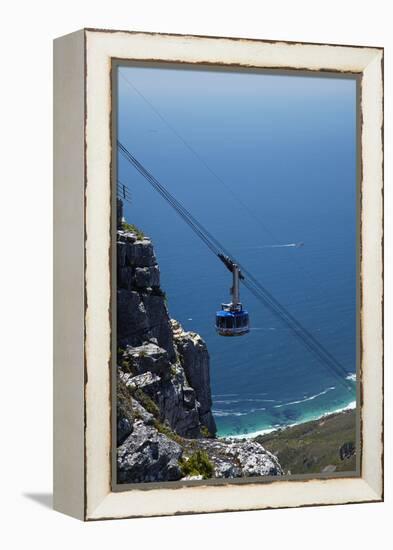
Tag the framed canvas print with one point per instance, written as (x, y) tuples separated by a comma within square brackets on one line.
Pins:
[(218, 274)]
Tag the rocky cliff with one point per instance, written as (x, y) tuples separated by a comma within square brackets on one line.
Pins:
[(165, 426)]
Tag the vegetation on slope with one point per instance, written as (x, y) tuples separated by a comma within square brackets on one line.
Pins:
[(197, 464), (326, 445), (133, 229)]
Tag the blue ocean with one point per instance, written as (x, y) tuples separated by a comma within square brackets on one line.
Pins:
[(264, 162)]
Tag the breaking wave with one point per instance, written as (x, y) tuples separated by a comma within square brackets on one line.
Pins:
[(263, 431), (219, 412), (236, 401), (234, 405)]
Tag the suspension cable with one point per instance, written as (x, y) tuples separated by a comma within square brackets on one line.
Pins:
[(251, 283)]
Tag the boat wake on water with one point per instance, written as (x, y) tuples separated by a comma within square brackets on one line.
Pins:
[(289, 245), (310, 398)]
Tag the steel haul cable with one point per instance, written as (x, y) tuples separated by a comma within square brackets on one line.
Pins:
[(251, 283)]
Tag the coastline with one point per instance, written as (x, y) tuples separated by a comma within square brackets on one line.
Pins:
[(252, 435)]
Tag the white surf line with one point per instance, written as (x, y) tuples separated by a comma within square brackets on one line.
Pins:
[(250, 435), (245, 400)]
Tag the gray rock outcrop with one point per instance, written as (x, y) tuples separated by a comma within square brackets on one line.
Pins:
[(141, 310), (175, 362), (232, 458), (147, 455)]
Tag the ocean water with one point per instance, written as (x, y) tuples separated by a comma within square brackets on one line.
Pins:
[(286, 146)]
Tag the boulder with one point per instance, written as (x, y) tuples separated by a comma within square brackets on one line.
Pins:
[(255, 460), (147, 455), (148, 382), (147, 357), (126, 236), (240, 458)]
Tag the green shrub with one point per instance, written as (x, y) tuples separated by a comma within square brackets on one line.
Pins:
[(146, 402), (133, 229), (197, 464), (127, 366), (205, 432), (124, 403)]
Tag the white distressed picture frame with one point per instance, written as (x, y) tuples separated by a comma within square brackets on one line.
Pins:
[(82, 248)]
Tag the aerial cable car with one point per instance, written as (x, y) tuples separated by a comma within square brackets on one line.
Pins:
[(232, 319)]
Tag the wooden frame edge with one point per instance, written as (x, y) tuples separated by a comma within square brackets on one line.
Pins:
[(69, 277)]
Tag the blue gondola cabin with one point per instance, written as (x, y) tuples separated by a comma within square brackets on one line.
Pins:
[(232, 321)]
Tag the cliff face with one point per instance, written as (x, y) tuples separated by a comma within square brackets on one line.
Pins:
[(156, 356), (165, 426)]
